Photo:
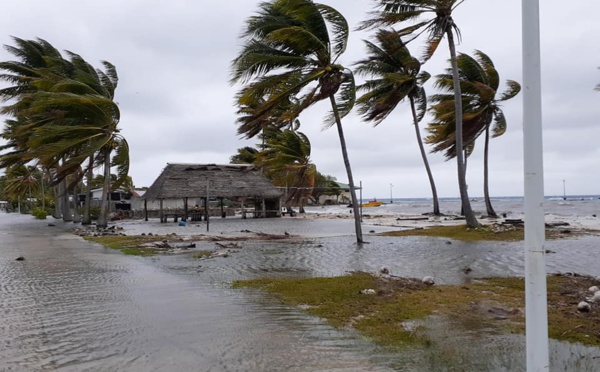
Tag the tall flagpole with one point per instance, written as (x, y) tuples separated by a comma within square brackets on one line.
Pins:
[(536, 311)]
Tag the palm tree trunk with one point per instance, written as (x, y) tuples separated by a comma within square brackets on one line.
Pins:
[(103, 219), (57, 202), (462, 177), (43, 189), (486, 192), (436, 204), (76, 214), (66, 207), (462, 208), (87, 219), (338, 121)]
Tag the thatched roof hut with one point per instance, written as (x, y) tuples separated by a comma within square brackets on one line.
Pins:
[(231, 181)]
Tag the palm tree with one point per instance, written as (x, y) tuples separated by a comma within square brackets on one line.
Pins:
[(23, 183), (285, 160), (244, 155), (397, 76), (289, 62), (35, 57), (67, 113), (479, 82), (411, 12)]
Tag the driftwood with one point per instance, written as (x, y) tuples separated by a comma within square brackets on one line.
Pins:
[(510, 221), (557, 224), (412, 219)]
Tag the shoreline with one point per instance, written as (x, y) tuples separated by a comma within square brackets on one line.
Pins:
[(419, 221)]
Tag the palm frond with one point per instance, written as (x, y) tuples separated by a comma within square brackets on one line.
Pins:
[(513, 89), (339, 28), (121, 161), (499, 127)]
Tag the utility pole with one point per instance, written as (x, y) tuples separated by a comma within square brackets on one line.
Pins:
[(536, 310)]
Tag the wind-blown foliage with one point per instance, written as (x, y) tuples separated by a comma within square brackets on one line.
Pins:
[(287, 63), (395, 76), (286, 161), (479, 82), (64, 114), (23, 183), (432, 18)]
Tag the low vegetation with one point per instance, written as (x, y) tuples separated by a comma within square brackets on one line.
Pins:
[(130, 244), (39, 213), (388, 316), (481, 233)]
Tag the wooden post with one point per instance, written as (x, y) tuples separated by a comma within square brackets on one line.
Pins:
[(243, 211), (185, 209), (206, 207), (264, 208), (161, 211), (222, 211), (146, 210)]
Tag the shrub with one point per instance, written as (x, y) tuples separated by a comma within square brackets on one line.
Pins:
[(39, 213), (94, 212)]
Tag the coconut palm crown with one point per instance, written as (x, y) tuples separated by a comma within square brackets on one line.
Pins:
[(413, 15), (482, 113), (395, 75), (288, 62)]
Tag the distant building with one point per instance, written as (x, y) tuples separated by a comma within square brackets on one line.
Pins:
[(119, 199), (344, 197)]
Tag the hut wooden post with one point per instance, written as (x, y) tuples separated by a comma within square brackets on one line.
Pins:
[(243, 211), (161, 214), (145, 210), (279, 207), (206, 206), (185, 209), (264, 208), (222, 211)]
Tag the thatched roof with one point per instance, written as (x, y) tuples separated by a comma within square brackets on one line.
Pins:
[(178, 181)]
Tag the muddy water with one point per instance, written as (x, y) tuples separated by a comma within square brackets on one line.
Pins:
[(75, 306)]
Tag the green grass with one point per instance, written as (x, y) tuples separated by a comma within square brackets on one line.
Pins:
[(464, 233), (130, 244), (202, 254), (380, 317)]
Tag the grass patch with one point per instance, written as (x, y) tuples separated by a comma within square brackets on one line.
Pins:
[(202, 254), (129, 244), (496, 303), (481, 233)]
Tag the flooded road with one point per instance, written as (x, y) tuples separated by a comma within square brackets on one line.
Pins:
[(76, 306)]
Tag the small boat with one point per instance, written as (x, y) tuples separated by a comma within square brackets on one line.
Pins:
[(372, 203)]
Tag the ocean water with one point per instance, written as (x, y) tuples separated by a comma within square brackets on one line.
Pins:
[(512, 206)]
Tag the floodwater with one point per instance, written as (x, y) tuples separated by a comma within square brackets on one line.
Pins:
[(76, 306)]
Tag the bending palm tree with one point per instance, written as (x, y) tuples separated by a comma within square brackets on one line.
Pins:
[(398, 77), (441, 24), (286, 161), (65, 110), (22, 182), (479, 82), (289, 62)]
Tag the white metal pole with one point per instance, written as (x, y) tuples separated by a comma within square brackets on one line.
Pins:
[(536, 311)]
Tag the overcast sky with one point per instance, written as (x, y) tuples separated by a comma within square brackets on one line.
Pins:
[(173, 60)]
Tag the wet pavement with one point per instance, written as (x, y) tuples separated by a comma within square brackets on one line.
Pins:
[(76, 306)]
